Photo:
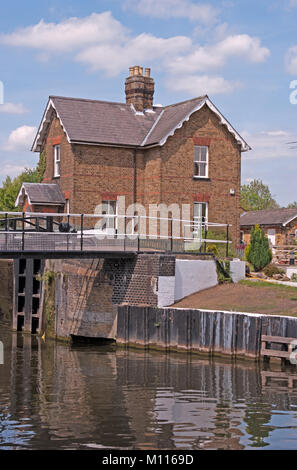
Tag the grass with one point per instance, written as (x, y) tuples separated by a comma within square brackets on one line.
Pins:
[(262, 284), (254, 296)]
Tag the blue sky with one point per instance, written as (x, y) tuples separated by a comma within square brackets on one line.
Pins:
[(242, 53)]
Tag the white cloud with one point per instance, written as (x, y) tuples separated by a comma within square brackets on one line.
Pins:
[(201, 12), (102, 43), (291, 60), (12, 108), (213, 56), (20, 139), (9, 169), (71, 34), (202, 84), (269, 145), (146, 48)]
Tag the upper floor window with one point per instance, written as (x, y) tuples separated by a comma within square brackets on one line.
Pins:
[(200, 161), (57, 153)]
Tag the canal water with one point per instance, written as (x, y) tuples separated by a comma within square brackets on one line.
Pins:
[(57, 396)]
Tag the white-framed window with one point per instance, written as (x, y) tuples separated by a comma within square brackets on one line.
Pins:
[(57, 160), (109, 208), (200, 215), (200, 161)]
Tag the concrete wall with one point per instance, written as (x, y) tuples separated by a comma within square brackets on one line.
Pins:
[(237, 270), (212, 332), (193, 276), (6, 291)]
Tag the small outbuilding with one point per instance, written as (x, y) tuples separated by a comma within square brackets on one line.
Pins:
[(280, 225)]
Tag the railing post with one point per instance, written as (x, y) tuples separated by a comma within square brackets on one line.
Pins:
[(205, 236), (171, 234), (23, 232), (68, 232), (6, 230), (124, 233), (138, 240), (81, 232), (227, 245)]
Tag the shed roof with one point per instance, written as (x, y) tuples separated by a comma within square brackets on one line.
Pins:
[(268, 217), (40, 193)]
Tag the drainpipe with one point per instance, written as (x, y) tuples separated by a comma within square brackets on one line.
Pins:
[(134, 176)]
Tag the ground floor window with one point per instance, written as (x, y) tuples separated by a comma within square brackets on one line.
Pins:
[(109, 208), (200, 216)]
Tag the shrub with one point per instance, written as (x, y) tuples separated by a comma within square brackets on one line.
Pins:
[(270, 270), (212, 248), (259, 253), (294, 277)]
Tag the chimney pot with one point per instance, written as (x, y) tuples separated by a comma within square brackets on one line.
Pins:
[(139, 88)]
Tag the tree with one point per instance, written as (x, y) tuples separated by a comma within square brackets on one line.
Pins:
[(10, 187), (256, 196), (258, 252), (292, 205)]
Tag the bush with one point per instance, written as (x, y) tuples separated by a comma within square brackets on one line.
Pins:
[(294, 277), (212, 248), (259, 253), (270, 270)]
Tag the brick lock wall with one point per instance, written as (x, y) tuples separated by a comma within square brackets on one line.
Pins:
[(87, 292)]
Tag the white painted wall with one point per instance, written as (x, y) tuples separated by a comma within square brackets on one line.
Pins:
[(237, 270), (166, 288), (193, 276)]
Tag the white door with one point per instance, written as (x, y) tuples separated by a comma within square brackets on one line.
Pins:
[(271, 236)]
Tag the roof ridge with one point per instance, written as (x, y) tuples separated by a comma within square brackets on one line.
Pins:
[(186, 101), (87, 100)]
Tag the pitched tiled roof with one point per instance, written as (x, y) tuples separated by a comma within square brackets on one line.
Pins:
[(268, 217), (40, 193), (102, 122)]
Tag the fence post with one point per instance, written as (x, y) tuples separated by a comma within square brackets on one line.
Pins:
[(81, 232), (23, 232), (205, 236), (124, 233), (6, 230), (227, 245), (138, 241)]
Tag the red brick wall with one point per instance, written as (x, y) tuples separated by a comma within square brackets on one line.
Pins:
[(56, 135), (164, 174)]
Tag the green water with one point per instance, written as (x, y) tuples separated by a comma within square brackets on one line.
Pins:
[(56, 396)]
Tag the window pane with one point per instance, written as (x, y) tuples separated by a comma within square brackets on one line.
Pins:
[(196, 169), (203, 154), (202, 169)]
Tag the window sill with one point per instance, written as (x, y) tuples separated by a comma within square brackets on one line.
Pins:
[(204, 178)]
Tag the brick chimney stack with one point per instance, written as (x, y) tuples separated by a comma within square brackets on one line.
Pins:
[(140, 88)]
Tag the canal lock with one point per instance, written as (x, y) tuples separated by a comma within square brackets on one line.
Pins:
[(27, 295)]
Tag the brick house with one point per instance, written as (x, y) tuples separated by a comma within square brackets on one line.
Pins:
[(96, 151), (280, 225)]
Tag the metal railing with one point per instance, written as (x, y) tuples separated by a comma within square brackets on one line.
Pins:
[(56, 232)]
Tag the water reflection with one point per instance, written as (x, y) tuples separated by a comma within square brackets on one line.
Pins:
[(55, 396)]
